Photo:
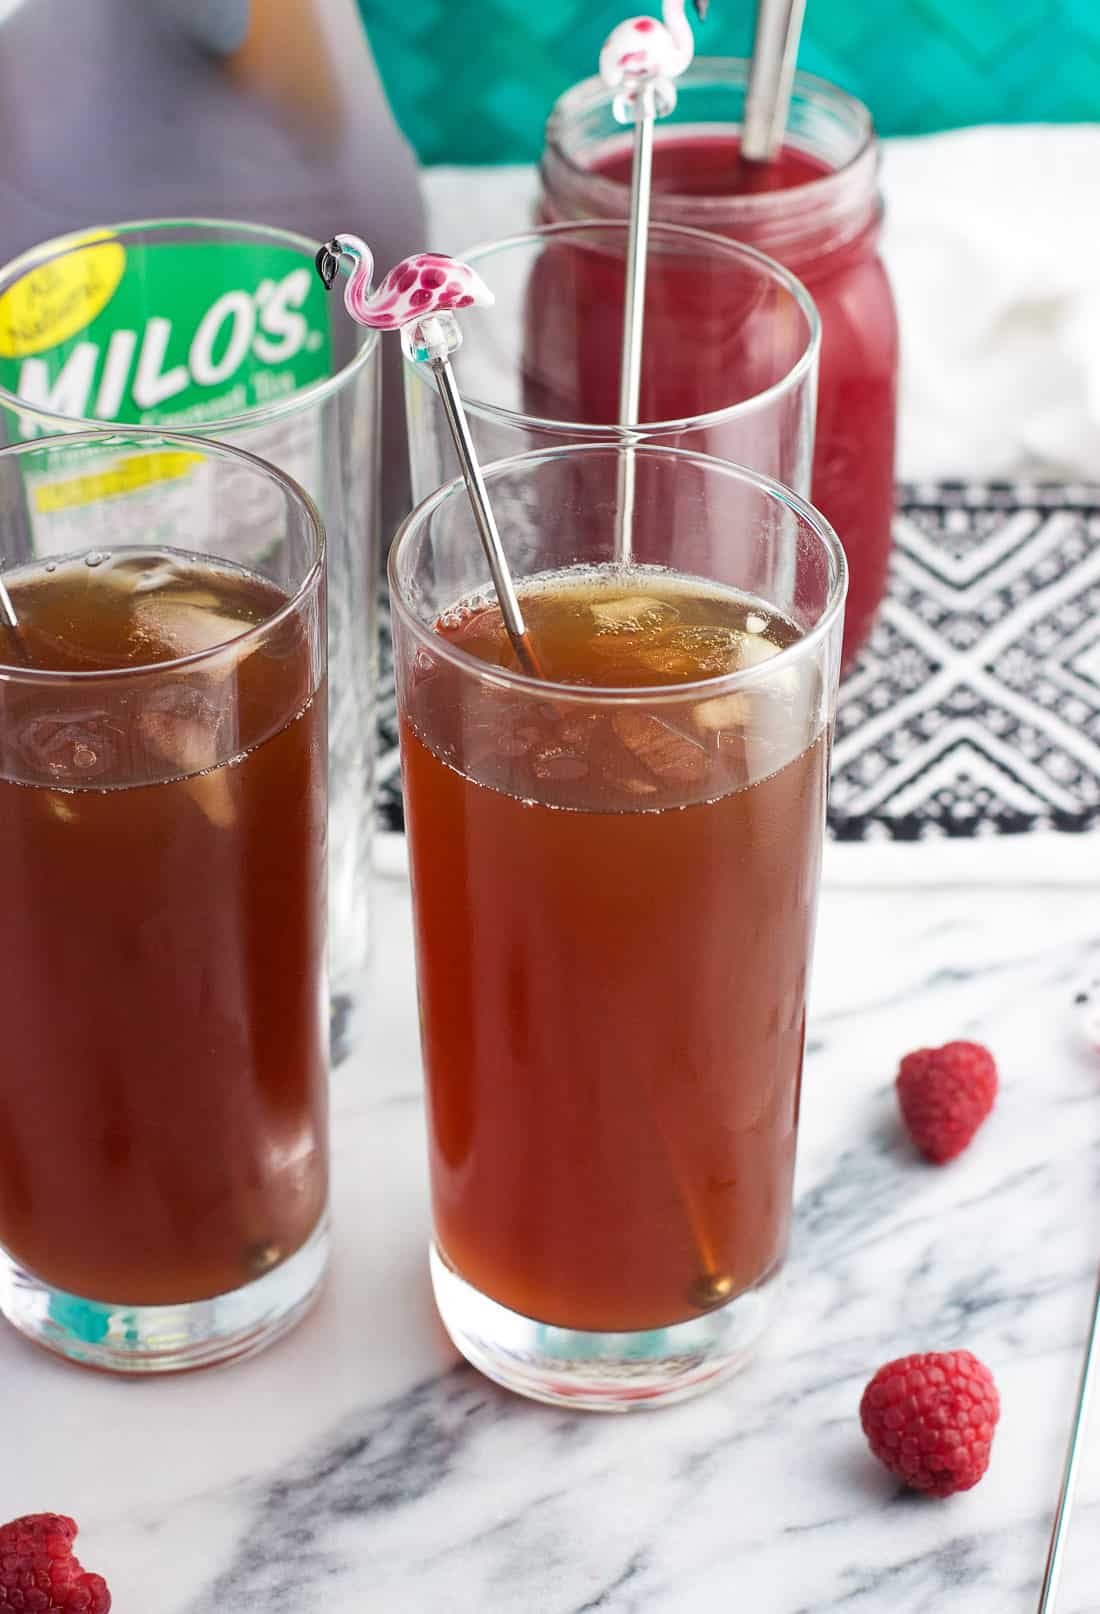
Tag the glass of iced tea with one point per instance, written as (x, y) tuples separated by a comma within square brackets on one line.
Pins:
[(614, 870), (163, 1047)]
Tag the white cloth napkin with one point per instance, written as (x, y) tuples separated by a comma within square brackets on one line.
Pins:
[(992, 239)]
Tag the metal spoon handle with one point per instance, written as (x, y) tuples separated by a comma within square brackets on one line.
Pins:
[(641, 181), (483, 514), (771, 77), (630, 374), (7, 609), (1053, 1572), (10, 621)]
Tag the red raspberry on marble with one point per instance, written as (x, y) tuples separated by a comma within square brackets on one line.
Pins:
[(38, 1570), (945, 1094), (931, 1419)]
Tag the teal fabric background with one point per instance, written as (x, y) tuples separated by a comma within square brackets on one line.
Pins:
[(471, 81)]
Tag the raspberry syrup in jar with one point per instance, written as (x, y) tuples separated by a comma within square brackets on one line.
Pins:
[(820, 215)]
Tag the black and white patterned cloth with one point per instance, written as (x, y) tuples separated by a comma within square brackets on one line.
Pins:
[(975, 708)]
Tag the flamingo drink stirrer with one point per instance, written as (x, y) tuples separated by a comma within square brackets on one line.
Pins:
[(639, 61), (419, 298)]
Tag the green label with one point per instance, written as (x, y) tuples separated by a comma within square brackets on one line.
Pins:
[(166, 334)]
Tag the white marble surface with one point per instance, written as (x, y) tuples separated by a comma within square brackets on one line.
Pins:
[(358, 1466)]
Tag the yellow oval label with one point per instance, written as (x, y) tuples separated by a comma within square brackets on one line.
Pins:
[(126, 476), (52, 303)]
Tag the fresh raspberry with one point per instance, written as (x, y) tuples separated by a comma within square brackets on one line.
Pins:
[(39, 1572), (931, 1419), (945, 1094)]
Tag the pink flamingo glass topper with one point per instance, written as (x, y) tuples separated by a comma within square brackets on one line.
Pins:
[(425, 284), (643, 49), (420, 298)]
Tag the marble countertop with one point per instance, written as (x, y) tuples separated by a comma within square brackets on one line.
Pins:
[(359, 1465)]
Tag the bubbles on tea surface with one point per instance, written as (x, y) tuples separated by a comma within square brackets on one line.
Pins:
[(755, 623), (51, 566), (459, 615), (96, 557)]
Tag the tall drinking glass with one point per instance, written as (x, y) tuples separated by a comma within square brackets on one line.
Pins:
[(225, 330), (541, 366), (163, 1027), (615, 872)]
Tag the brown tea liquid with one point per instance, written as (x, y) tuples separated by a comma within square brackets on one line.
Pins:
[(614, 913), (162, 839)]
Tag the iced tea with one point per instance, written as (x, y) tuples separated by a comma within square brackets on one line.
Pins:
[(614, 913), (162, 836)]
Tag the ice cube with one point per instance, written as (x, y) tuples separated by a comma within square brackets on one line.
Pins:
[(516, 742), (692, 651), (61, 804), (214, 794), (667, 753), (71, 748), (181, 728), (723, 712), (184, 628), (558, 762), (137, 576), (164, 578), (729, 712), (579, 730), (752, 650), (633, 614)]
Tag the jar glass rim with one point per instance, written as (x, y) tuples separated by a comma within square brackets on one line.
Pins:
[(590, 93)]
